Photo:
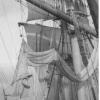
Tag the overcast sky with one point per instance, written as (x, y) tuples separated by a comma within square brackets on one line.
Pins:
[(9, 17)]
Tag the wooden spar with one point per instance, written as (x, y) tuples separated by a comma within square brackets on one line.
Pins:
[(93, 6), (62, 16)]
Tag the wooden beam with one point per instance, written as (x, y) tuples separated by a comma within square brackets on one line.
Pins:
[(62, 16)]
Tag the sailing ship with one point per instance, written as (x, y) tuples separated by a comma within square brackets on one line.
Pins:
[(58, 58)]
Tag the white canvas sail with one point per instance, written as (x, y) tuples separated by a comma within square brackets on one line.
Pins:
[(48, 35), (31, 12), (35, 13)]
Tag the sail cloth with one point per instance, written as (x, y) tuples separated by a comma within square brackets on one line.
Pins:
[(37, 59), (48, 56), (92, 65), (35, 13), (80, 5), (86, 72), (46, 59), (36, 92), (61, 64), (26, 82), (21, 67), (43, 59), (44, 32)]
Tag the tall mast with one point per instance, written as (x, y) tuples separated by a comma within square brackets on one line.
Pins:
[(62, 16)]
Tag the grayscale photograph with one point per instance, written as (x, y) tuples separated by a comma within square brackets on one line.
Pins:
[(49, 50)]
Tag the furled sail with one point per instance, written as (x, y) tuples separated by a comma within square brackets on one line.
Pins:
[(40, 37), (48, 56), (42, 57)]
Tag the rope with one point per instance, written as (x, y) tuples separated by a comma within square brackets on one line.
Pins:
[(77, 30), (21, 9), (92, 66), (50, 82), (41, 34), (88, 80), (91, 60), (62, 33), (59, 42), (66, 38), (36, 42), (15, 72), (53, 39), (94, 71), (90, 41)]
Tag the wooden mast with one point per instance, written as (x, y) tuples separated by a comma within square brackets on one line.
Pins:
[(62, 16)]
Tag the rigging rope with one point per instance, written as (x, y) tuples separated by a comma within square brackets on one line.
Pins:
[(21, 34), (41, 35), (90, 41), (53, 37), (91, 60), (51, 81), (36, 42), (54, 65)]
